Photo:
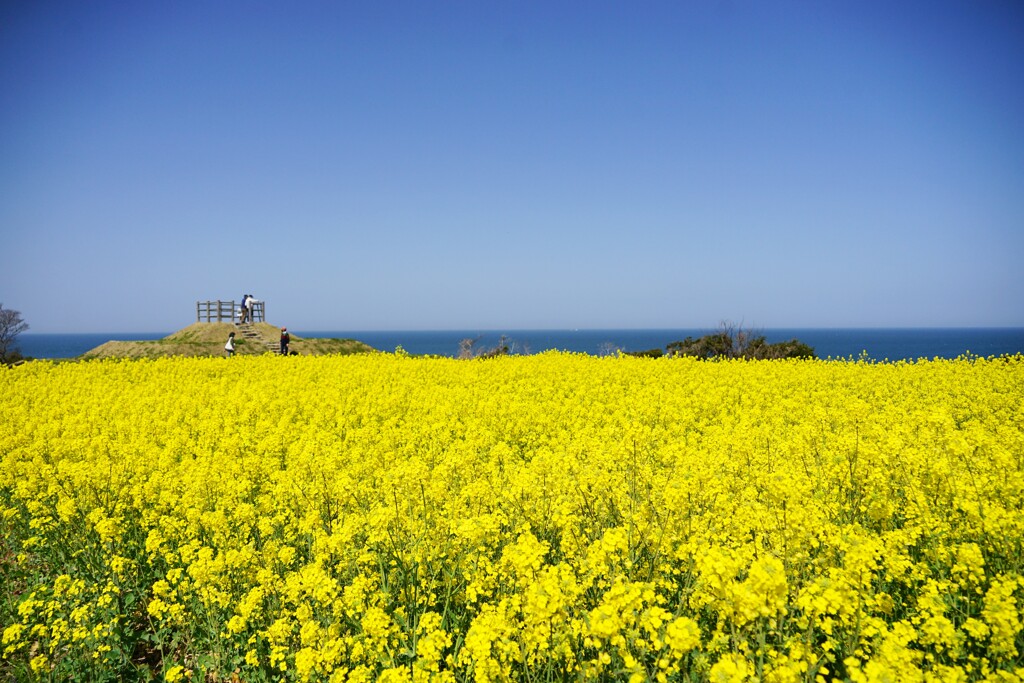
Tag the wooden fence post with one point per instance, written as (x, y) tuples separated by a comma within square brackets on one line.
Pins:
[(227, 310)]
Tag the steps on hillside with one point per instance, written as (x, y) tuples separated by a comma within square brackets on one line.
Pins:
[(249, 333)]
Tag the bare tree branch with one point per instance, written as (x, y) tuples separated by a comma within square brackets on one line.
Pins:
[(11, 325)]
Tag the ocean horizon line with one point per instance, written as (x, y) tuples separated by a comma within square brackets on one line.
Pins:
[(713, 328), (878, 343)]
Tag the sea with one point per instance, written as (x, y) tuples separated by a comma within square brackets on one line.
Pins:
[(882, 344)]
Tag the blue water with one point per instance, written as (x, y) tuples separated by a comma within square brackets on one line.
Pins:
[(71, 345), (878, 344)]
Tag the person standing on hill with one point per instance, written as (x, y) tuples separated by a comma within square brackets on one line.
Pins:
[(248, 307), (285, 340), (230, 346)]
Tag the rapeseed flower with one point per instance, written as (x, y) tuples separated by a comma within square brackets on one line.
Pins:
[(386, 517)]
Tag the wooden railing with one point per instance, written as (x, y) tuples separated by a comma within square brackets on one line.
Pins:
[(227, 311)]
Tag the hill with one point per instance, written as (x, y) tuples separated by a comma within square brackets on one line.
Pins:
[(207, 339)]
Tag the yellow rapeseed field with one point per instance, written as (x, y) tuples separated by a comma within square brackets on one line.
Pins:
[(557, 517)]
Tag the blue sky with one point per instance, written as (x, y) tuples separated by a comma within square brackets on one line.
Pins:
[(484, 165)]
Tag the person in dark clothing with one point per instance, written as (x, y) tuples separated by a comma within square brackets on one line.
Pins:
[(285, 340), (245, 309)]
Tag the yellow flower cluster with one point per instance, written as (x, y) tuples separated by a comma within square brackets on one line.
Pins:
[(553, 517)]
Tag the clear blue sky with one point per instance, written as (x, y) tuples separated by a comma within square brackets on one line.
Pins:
[(507, 165)]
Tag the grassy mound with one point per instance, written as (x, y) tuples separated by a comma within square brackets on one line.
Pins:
[(207, 339)]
